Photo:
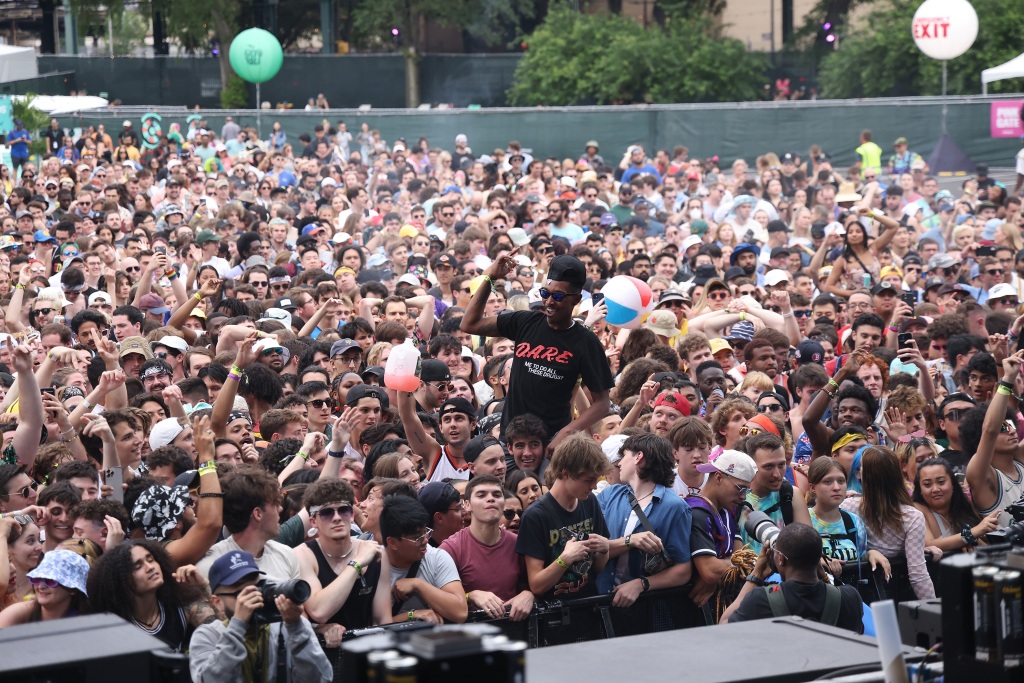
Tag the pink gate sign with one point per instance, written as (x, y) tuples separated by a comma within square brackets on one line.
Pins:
[(1006, 121)]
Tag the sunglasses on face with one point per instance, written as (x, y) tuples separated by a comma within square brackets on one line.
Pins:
[(512, 514), (636, 251), (718, 296), (442, 386), (447, 214), (994, 271), (802, 314), (280, 287), (771, 408), (557, 296), (673, 304), (49, 583), (24, 493), (271, 352), (545, 250), (749, 431), (422, 538), (319, 403), (327, 514), (42, 311)]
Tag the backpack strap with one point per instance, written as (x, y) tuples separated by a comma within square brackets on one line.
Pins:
[(785, 503), (833, 601), (777, 601)]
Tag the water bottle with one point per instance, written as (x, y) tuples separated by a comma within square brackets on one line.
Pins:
[(403, 368)]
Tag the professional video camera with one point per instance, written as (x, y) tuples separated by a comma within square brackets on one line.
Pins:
[(1012, 534), (295, 590), (760, 526)]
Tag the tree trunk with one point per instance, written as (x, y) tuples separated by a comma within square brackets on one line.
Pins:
[(225, 35), (412, 78)]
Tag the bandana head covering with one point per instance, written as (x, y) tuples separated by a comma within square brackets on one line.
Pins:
[(158, 510)]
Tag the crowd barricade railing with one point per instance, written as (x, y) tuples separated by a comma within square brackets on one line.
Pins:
[(872, 585)]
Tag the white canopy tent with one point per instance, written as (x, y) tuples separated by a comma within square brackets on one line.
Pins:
[(17, 63), (55, 105), (1011, 69)]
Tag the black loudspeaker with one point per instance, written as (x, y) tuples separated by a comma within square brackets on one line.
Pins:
[(99, 648)]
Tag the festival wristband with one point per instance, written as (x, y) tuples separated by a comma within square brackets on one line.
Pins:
[(412, 615), (1004, 391), (561, 563), (197, 296), (236, 370), (304, 456), (207, 467), (234, 376), (211, 495)]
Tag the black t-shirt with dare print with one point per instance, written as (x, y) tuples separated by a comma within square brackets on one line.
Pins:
[(546, 366)]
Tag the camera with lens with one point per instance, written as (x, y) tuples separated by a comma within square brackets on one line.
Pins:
[(760, 526), (295, 590), (1013, 533)]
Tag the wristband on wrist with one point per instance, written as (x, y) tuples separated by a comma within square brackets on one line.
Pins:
[(743, 315), (788, 315), (89, 405), (488, 280), (1004, 391), (757, 581), (968, 536), (412, 615), (833, 383), (211, 495), (893, 328), (19, 286), (197, 296), (235, 369), (304, 456), (234, 376), (561, 563), (627, 539), (359, 569), (207, 467), (335, 454)]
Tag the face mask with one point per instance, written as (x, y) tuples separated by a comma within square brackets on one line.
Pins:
[(695, 214)]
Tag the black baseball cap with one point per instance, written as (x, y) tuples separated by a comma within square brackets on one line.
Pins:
[(435, 371), (478, 445), (567, 268), (361, 391), (454, 405)]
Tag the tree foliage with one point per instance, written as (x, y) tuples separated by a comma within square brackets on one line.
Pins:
[(880, 59), (575, 59), (485, 20), (35, 121)]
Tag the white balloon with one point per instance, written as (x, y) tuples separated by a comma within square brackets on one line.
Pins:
[(945, 29)]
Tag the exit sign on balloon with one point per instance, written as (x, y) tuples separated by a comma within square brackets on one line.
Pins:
[(945, 29)]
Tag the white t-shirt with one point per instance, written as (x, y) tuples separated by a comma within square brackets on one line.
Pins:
[(278, 561), (437, 568), (1020, 162)]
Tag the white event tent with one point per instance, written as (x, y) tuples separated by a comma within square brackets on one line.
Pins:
[(1011, 69)]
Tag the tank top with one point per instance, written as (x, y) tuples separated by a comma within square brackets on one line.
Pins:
[(173, 628), (1010, 491), (357, 612), (944, 529), (445, 468)]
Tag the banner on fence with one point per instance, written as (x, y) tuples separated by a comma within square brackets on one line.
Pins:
[(1006, 122)]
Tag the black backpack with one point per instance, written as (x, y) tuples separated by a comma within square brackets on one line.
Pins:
[(829, 616), (785, 503)]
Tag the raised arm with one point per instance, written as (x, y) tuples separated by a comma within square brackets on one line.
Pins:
[(981, 476), (15, 321), (422, 443), (817, 432), (473, 321), (188, 304), (30, 407), (225, 402), (191, 547), (887, 232), (425, 320), (781, 299), (157, 264)]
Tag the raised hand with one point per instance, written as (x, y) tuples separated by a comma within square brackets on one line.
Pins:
[(210, 287)]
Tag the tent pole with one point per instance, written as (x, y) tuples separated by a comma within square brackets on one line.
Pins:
[(944, 62)]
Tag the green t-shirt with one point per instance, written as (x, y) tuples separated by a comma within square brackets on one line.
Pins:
[(870, 157)]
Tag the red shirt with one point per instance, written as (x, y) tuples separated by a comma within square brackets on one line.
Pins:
[(493, 568)]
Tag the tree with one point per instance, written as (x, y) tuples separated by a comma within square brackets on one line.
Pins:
[(383, 23), (35, 121), (575, 59), (881, 59)]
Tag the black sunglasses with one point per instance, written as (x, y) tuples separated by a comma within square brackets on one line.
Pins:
[(512, 514), (42, 311), (327, 514), (319, 403), (557, 296)]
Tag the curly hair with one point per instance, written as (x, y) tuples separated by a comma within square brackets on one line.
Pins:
[(638, 343), (111, 583), (883, 368), (634, 375), (907, 400), (329, 490), (724, 412)]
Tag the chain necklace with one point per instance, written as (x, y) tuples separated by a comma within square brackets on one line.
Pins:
[(337, 557)]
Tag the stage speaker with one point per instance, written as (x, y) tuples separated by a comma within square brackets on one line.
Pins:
[(98, 648)]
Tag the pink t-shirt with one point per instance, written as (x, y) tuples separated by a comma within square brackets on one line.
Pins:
[(493, 568)]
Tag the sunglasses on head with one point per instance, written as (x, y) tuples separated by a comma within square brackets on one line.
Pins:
[(557, 296), (512, 514), (327, 514)]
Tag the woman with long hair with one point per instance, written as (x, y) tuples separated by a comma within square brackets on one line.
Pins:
[(60, 590), (398, 466), (843, 536), (24, 550), (947, 511), (1009, 234), (912, 452), (526, 485), (860, 256), (137, 582), (716, 297), (895, 527)]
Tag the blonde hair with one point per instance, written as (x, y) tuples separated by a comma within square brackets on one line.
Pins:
[(578, 455), (758, 380), (374, 354)]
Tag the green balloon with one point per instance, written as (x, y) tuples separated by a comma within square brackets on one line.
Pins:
[(256, 55)]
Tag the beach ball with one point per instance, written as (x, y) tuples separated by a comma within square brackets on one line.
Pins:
[(629, 300)]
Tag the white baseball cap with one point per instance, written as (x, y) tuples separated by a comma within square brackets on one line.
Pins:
[(732, 463)]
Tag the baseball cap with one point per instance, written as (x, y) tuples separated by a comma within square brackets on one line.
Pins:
[(205, 236), (361, 391), (172, 342), (44, 236), (612, 447), (883, 288), (691, 241), (775, 277), (279, 314), (777, 226), (456, 405), (164, 432), (732, 463), (435, 371), (232, 567), (941, 261), (477, 445), (949, 289), (342, 345), (567, 268), (718, 344), (777, 396), (375, 370), (810, 351), (741, 331), (674, 400), (438, 496), (130, 345), (99, 297), (153, 303), (286, 304)]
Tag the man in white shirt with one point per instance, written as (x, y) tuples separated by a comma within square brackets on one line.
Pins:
[(209, 242)]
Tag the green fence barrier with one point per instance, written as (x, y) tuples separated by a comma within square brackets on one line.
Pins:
[(60, 83), (741, 130), (346, 80)]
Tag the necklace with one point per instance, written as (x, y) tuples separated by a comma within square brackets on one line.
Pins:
[(151, 624), (336, 557), (645, 497)]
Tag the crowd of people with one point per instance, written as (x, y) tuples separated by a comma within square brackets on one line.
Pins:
[(197, 405)]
